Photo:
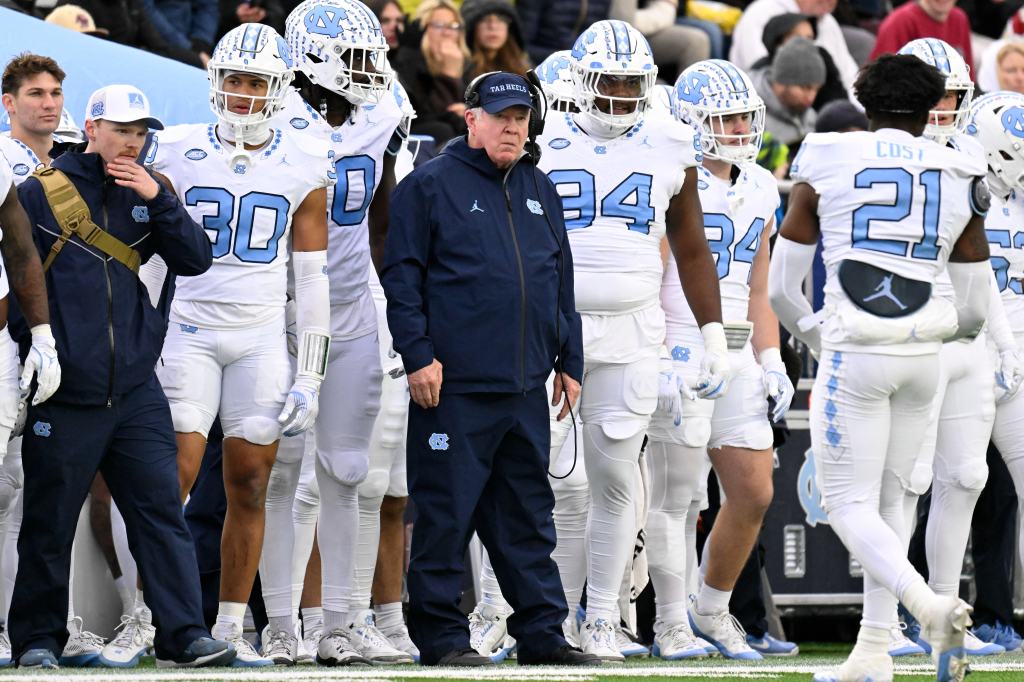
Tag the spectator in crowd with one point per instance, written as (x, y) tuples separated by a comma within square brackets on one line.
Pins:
[(840, 117), (784, 27), (392, 22), (926, 19), (128, 23), (675, 47), (75, 18), (185, 24), (789, 88), (270, 12), (747, 45), (493, 36), (1002, 67), (552, 25), (435, 74)]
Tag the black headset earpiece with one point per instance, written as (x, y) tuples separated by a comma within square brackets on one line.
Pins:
[(472, 96), (540, 105)]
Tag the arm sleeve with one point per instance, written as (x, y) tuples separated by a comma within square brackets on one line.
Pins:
[(790, 263), (973, 294), (570, 351), (181, 242), (403, 276), (998, 323)]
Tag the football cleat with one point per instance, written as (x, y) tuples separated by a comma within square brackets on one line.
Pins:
[(676, 643), (371, 642), (1001, 634), (725, 633), (598, 639), (770, 646), (860, 668), (400, 639), (336, 649), (129, 645), (902, 645), (82, 649), (203, 652), (5, 649), (280, 647), (945, 632), (488, 633), (629, 647)]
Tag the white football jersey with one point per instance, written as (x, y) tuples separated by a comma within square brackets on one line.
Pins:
[(735, 217), (1004, 226), (615, 194), (359, 145), (23, 161), (886, 198), (247, 213), (6, 176)]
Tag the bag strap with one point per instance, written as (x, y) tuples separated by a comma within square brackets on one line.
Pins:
[(73, 217)]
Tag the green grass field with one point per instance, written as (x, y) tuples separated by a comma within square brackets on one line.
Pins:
[(813, 657)]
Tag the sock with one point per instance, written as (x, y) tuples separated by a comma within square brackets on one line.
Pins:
[(389, 616), (141, 610), (230, 615), (871, 641), (918, 598), (312, 619), (334, 620), (280, 623), (126, 591), (710, 600)]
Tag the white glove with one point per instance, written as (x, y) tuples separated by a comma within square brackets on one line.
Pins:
[(301, 406), (776, 382), (290, 328), (713, 381), (1010, 374), (670, 385), (42, 362)]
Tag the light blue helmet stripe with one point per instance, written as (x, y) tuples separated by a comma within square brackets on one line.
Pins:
[(623, 48), (251, 38), (939, 55), (739, 86)]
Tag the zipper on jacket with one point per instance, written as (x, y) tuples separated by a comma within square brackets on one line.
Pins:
[(522, 282), (110, 315)]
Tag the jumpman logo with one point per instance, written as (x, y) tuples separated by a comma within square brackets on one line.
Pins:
[(884, 289), (476, 207)]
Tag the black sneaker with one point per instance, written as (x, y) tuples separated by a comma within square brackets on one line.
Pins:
[(563, 655), (464, 658)]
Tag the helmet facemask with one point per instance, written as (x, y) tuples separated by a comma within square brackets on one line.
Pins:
[(594, 93)]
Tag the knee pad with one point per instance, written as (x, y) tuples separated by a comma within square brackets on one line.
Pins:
[(622, 398), (347, 467), (375, 485), (190, 419), (971, 479), (291, 449), (258, 430)]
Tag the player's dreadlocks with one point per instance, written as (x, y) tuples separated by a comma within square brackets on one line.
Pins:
[(899, 87)]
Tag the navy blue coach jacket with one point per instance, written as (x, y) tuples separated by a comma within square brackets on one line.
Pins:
[(473, 276), (109, 336)]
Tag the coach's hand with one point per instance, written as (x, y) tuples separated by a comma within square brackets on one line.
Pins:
[(566, 386), (127, 173), (42, 362), (425, 385), (300, 407)]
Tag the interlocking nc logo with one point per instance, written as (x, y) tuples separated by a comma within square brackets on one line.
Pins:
[(325, 21), (41, 429), (438, 441), (808, 493)]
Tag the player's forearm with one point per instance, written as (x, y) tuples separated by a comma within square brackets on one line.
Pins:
[(789, 265), (24, 269), (766, 324), (699, 278)]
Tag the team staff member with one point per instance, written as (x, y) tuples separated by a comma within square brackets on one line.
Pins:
[(109, 413), (478, 277)]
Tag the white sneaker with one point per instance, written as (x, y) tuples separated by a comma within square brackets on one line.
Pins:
[(571, 632), (976, 647), (129, 645), (371, 642), (400, 639), (725, 632), (629, 647), (82, 649), (597, 637), (5, 649), (676, 643), (336, 648), (308, 646), (246, 655), (901, 645), (280, 647), (944, 630), (488, 631), (860, 668)]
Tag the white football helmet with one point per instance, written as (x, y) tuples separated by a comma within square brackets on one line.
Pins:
[(67, 130), (258, 50), (946, 59), (706, 93), (556, 81), (340, 46), (608, 53), (996, 120)]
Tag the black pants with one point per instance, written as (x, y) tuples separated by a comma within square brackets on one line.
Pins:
[(994, 533), (132, 443), (479, 462)]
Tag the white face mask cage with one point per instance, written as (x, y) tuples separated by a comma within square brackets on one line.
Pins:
[(363, 75), (588, 91), (733, 148), (943, 132)]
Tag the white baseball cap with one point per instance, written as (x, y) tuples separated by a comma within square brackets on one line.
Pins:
[(120, 104)]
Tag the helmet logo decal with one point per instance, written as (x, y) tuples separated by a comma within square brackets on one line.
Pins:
[(325, 21)]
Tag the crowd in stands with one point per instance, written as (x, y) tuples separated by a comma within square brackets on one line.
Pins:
[(802, 54)]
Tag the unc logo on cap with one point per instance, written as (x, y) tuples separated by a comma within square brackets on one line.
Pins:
[(438, 441), (96, 110), (140, 214)]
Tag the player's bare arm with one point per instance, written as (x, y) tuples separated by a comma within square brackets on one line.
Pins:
[(309, 224), (24, 269), (972, 246), (801, 222), (379, 212)]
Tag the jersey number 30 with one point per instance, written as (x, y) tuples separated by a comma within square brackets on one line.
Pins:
[(223, 222), (630, 200)]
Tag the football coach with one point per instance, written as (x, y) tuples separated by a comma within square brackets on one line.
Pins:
[(478, 277)]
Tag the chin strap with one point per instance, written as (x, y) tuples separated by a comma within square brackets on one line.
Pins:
[(239, 135)]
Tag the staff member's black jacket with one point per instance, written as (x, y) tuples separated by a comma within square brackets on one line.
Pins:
[(472, 274)]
